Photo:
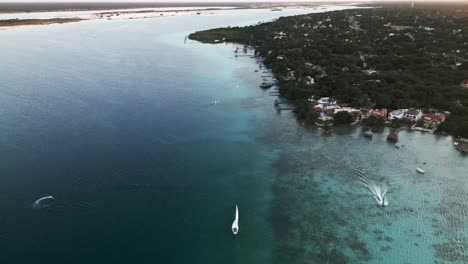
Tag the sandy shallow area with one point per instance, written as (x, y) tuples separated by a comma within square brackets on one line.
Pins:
[(149, 13), (125, 13)]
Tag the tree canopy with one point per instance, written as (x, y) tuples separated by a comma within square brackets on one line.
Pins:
[(384, 57)]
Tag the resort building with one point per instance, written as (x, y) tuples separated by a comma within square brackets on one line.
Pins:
[(413, 115), (366, 112), (397, 114), (325, 101)]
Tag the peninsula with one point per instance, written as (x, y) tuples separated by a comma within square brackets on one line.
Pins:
[(24, 22), (412, 60)]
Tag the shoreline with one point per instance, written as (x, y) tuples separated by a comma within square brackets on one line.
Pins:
[(238, 36), (13, 23)]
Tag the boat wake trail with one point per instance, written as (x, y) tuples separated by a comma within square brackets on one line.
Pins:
[(378, 192)]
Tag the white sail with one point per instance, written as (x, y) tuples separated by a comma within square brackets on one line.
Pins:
[(235, 224)]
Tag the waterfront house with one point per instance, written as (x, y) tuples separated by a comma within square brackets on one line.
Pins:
[(379, 113), (326, 101), (397, 114), (413, 115), (433, 120)]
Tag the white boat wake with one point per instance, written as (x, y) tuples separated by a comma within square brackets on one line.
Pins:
[(378, 192), (379, 195), (43, 202)]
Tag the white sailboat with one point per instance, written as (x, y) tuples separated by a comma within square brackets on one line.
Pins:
[(235, 224)]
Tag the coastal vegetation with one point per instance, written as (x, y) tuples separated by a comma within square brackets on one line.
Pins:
[(23, 22), (389, 57), (343, 117)]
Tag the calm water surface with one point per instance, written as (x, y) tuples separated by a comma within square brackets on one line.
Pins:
[(114, 119)]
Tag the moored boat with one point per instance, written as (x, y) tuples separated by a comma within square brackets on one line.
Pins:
[(265, 85), (420, 170), (369, 133)]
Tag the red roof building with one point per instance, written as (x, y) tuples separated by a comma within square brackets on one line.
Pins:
[(434, 117), (464, 83), (378, 113)]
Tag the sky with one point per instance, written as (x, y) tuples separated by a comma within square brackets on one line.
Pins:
[(217, 1), (214, 1)]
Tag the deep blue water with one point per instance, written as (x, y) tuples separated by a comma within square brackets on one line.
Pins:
[(114, 119)]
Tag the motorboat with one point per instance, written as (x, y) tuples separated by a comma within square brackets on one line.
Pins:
[(368, 133), (235, 224), (420, 170)]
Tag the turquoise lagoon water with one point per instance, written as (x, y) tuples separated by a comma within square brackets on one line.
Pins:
[(114, 119)]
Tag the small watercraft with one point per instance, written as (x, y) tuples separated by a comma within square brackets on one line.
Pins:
[(235, 224), (368, 133), (455, 143), (265, 85), (420, 170)]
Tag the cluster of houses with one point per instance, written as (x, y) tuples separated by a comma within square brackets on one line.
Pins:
[(327, 108)]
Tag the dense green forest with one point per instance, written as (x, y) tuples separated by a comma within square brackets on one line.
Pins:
[(376, 57)]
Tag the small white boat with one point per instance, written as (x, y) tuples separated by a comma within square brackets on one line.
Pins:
[(455, 143), (43, 202), (420, 170), (235, 224)]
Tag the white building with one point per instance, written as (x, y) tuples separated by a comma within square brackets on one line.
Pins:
[(324, 100), (413, 114), (397, 114)]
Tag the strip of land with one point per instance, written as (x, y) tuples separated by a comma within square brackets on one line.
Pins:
[(413, 60), (24, 22)]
